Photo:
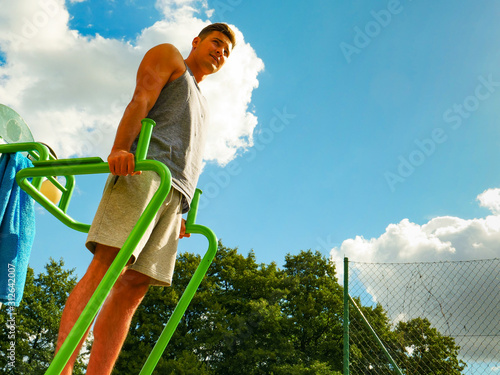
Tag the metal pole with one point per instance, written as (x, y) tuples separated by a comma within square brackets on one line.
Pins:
[(346, 316), (185, 300), (141, 152)]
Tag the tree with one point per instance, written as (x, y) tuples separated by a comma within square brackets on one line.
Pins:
[(416, 347), (366, 355), (245, 318), (257, 319), (313, 308), (36, 321), (231, 326), (423, 350), (314, 368)]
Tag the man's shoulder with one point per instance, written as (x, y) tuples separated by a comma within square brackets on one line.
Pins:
[(166, 57), (166, 50)]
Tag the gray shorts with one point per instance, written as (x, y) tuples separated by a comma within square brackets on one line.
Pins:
[(123, 201)]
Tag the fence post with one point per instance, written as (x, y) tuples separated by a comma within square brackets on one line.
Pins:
[(346, 316)]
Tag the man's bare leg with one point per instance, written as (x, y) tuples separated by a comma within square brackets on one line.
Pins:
[(113, 322), (79, 297)]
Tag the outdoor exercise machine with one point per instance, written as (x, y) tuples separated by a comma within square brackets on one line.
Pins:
[(46, 166)]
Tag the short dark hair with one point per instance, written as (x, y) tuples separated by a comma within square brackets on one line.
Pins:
[(221, 27)]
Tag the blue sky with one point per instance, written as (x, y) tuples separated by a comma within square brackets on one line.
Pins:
[(321, 178), (368, 115)]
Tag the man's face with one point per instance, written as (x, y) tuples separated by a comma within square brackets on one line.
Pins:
[(212, 51)]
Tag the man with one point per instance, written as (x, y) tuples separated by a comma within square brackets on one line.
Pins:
[(166, 91)]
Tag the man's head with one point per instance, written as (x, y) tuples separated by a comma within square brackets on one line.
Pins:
[(220, 27), (211, 48)]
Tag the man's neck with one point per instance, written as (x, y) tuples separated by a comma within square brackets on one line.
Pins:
[(197, 72)]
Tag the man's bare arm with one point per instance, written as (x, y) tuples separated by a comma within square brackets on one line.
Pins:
[(160, 65)]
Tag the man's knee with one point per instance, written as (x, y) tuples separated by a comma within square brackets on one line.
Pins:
[(103, 257), (133, 282), (104, 254)]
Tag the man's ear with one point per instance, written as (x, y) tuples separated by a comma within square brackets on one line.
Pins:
[(195, 42)]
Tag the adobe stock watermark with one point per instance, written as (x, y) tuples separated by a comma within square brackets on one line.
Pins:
[(11, 311), (454, 117), (244, 330), (95, 136), (92, 138), (372, 29), (39, 20), (221, 7), (327, 243), (221, 179)]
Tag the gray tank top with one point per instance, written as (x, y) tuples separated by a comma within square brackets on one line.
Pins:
[(178, 138)]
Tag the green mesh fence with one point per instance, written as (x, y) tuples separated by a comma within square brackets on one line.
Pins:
[(433, 318)]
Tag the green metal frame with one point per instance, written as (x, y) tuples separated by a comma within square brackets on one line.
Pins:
[(346, 317), (47, 167)]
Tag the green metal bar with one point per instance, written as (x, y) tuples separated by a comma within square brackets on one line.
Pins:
[(67, 189), (375, 336), (70, 167), (56, 183), (191, 218), (63, 170), (73, 161), (33, 154), (66, 197), (190, 291), (346, 316), (43, 154), (43, 151), (143, 143)]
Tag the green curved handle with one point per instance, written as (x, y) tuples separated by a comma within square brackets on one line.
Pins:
[(190, 290), (42, 153), (79, 166)]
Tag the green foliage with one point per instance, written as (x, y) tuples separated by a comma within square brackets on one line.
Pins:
[(231, 324), (37, 321), (315, 368), (313, 309), (423, 350), (246, 318), (370, 356), (250, 318)]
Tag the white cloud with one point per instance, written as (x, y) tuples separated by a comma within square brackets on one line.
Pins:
[(72, 90), (491, 200), (457, 298), (181, 9)]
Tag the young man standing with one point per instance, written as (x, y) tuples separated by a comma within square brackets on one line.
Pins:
[(166, 91)]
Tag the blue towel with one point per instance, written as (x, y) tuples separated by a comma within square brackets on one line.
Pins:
[(17, 229)]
